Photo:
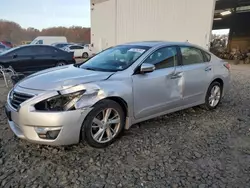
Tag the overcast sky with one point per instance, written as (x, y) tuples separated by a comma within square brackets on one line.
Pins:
[(46, 13)]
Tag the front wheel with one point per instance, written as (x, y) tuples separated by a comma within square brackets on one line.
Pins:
[(213, 96), (103, 124)]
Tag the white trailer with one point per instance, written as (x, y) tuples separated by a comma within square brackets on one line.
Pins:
[(118, 21)]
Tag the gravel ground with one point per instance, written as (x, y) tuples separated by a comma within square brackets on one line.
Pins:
[(191, 148)]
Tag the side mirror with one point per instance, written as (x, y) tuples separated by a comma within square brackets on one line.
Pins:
[(147, 68), (14, 56)]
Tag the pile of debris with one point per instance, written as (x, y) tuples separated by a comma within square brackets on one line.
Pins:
[(219, 48)]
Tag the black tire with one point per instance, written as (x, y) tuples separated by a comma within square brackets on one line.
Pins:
[(60, 63), (85, 55), (207, 105), (86, 131)]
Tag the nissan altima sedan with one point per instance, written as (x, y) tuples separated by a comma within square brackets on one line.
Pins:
[(113, 90)]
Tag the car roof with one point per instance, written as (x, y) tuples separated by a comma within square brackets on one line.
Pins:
[(74, 45), (39, 45), (158, 43)]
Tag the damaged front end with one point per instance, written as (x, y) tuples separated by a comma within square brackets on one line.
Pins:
[(77, 97)]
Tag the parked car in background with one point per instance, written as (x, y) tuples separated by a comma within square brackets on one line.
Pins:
[(3, 47), (118, 87), (48, 40), (81, 43), (79, 51), (33, 58), (7, 43), (61, 45), (26, 42)]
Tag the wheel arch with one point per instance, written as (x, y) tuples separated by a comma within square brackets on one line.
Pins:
[(121, 102), (219, 80)]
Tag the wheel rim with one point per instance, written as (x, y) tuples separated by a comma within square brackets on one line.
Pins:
[(215, 95), (60, 64), (105, 125), (85, 55)]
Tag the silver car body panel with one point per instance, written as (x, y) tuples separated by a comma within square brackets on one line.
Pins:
[(145, 95)]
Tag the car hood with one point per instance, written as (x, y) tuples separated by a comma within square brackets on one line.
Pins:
[(59, 78)]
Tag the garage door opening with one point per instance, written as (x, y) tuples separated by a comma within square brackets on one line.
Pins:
[(219, 41), (231, 18)]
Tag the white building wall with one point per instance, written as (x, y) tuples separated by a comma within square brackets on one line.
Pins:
[(103, 21), (120, 21)]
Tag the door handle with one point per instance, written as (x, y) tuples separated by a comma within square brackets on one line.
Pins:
[(176, 75), (208, 69)]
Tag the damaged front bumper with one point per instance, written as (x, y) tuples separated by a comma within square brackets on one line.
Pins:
[(45, 127)]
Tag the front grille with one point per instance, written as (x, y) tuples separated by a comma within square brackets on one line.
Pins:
[(16, 98)]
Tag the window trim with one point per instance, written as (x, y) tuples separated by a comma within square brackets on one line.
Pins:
[(210, 56), (19, 49), (136, 70), (203, 55)]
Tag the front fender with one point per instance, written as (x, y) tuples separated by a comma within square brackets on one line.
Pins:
[(109, 88)]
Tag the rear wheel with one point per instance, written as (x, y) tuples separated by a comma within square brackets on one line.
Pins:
[(85, 55), (213, 96), (60, 63), (103, 124)]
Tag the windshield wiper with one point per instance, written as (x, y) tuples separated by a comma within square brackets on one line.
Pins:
[(98, 69), (90, 68)]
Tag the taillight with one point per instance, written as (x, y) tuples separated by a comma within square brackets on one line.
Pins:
[(227, 65)]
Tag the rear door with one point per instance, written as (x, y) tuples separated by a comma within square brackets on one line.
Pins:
[(197, 73), (44, 57)]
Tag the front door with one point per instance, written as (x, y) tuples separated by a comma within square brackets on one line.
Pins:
[(20, 59), (160, 90), (197, 74)]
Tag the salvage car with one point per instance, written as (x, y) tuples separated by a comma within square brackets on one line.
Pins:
[(32, 58), (113, 90)]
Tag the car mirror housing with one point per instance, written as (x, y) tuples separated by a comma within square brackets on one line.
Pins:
[(147, 68)]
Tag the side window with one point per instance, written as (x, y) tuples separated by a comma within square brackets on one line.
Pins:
[(23, 51), (163, 58), (44, 50), (73, 47), (39, 42), (191, 55), (49, 50), (79, 47)]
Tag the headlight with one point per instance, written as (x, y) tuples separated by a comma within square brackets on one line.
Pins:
[(60, 102)]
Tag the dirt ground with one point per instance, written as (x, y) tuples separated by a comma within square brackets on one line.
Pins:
[(191, 148)]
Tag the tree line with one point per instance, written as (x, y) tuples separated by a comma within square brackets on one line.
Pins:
[(14, 33)]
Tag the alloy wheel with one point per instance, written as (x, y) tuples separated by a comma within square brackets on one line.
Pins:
[(105, 125), (215, 96)]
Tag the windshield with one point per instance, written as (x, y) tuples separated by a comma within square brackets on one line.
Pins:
[(9, 50), (34, 42), (115, 59)]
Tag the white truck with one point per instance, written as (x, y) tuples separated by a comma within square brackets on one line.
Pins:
[(48, 40)]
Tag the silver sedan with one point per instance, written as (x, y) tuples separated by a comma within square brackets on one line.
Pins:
[(119, 87)]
